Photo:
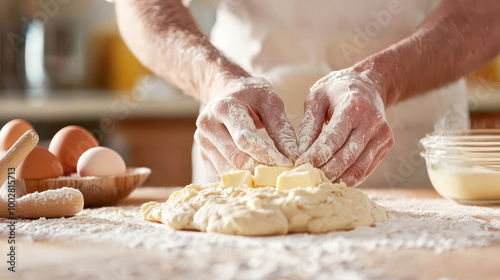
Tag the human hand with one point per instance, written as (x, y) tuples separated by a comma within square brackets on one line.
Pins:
[(227, 129), (344, 131)]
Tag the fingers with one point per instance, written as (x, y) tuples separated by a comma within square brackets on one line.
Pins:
[(212, 173), (374, 152), (381, 154), (329, 141), (219, 138), (355, 173), (212, 154), (355, 144), (215, 160), (358, 172), (279, 128), (228, 136), (312, 123), (240, 125), (344, 131), (378, 158)]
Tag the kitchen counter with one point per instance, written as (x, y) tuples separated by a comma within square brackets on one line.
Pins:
[(81, 105), (426, 237), (88, 104)]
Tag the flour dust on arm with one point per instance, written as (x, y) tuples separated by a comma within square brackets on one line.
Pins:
[(457, 38), (164, 36)]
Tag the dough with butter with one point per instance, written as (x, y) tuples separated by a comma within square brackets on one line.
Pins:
[(244, 210)]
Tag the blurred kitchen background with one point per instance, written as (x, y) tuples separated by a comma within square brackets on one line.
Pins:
[(63, 62)]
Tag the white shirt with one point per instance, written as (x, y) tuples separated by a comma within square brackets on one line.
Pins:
[(293, 43)]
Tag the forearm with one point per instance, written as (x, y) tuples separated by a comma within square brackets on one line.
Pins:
[(458, 37), (163, 35)]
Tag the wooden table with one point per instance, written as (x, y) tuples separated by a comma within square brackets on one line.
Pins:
[(470, 263)]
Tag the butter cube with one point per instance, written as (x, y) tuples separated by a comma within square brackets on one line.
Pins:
[(303, 176), (267, 175), (237, 178)]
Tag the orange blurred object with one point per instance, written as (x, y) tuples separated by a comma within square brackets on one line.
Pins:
[(124, 68), (490, 72)]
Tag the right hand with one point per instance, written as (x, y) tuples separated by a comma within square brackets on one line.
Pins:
[(344, 131), (227, 129)]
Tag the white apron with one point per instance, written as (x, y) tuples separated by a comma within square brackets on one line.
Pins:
[(293, 43)]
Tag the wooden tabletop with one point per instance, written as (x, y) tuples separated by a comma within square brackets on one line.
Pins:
[(469, 263)]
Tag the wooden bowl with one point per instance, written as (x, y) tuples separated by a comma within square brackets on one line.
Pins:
[(96, 191)]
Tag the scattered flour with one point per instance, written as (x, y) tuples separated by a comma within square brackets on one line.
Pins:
[(435, 224)]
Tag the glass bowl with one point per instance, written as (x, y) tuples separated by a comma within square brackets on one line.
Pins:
[(464, 165)]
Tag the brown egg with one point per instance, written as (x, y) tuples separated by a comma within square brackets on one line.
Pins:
[(39, 164), (11, 132), (69, 144)]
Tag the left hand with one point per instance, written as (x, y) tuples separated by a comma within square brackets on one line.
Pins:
[(227, 129), (344, 131)]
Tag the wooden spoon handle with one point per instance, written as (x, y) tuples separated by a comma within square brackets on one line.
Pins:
[(58, 203), (17, 153)]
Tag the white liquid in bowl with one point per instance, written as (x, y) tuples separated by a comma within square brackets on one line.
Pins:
[(466, 185)]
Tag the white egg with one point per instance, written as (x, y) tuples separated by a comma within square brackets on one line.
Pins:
[(100, 162)]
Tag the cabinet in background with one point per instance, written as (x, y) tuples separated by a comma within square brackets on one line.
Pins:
[(162, 144)]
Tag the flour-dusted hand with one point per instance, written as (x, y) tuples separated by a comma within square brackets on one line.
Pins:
[(228, 128), (344, 131)]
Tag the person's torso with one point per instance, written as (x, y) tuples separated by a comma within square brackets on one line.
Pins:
[(293, 43)]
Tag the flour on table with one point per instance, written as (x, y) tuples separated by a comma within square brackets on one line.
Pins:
[(126, 240), (245, 210)]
